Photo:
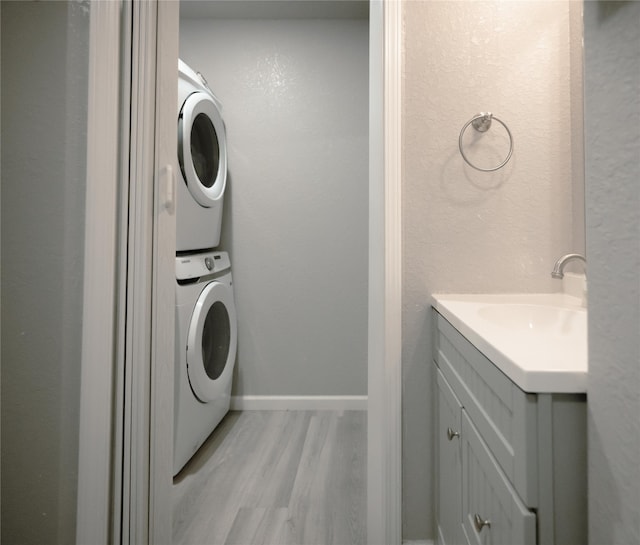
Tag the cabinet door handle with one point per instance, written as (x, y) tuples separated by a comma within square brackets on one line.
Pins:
[(451, 434), (480, 523)]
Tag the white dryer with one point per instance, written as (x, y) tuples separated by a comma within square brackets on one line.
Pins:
[(206, 342), (202, 160)]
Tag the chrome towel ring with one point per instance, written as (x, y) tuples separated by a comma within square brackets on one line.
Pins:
[(482, 123)]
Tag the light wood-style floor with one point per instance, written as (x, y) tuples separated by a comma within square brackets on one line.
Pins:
[(276, 478)]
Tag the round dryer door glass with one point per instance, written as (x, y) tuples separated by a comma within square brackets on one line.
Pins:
[(205, 151), (216, 336)]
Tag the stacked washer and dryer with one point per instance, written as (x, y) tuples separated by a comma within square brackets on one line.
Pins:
[(206, 326)]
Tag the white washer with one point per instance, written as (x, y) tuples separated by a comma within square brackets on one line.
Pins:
[(206, 342), (202, 161)]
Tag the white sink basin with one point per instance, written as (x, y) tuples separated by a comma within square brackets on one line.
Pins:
[(535, 319), (538, 340)]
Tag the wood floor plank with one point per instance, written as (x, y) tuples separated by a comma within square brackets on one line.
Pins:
[(272, 483), (218, 477), (276, 478), (190, 485), (260, 526), (311, 526), (346, 482)]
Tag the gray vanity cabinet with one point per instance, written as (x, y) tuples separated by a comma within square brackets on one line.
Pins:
[(511, 465), (449, 458), (492, 510)]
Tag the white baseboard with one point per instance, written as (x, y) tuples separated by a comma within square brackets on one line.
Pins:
[(419, 542), (299, 403)]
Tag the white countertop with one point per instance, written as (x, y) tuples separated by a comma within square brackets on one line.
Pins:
[(538, 340)]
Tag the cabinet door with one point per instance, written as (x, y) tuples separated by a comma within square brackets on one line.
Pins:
[(503, 414), (449, 466), (492, 511)]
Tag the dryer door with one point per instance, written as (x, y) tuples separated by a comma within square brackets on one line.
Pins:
[(202, 149), (212, 341)]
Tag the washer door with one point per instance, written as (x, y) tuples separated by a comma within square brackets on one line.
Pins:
[(202, 149), (212, 341)]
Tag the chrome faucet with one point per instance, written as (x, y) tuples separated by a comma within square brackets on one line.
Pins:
[(558, 268)]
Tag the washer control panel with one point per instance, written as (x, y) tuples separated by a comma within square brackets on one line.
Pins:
[(197, 265)]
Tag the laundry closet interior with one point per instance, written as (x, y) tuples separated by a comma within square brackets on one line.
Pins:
[(293, 84)]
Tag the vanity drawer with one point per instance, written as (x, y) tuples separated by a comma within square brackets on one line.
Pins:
[(504, 415), (487, 496)]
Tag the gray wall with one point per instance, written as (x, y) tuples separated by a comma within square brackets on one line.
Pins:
[(295, 222), (44, 100), (468, 231), (612, 145)]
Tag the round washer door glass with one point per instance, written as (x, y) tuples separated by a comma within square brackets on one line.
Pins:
[(202, 150), (212, 341), (216, 335)]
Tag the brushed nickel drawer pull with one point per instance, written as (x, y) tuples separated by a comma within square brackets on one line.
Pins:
[(480, 523), (451, 434)]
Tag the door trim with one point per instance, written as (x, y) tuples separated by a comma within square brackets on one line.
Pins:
[(95, 452), (384, 472)]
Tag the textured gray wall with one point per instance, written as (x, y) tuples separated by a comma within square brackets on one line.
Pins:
[(44, 101), (294, 94), (468, 231), (612, 148)]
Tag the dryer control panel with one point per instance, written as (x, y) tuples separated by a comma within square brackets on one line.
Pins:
[(197, 265)]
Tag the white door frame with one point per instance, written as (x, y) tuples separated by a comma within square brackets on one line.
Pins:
[(150, 517), (99, 312), (384, 434)]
